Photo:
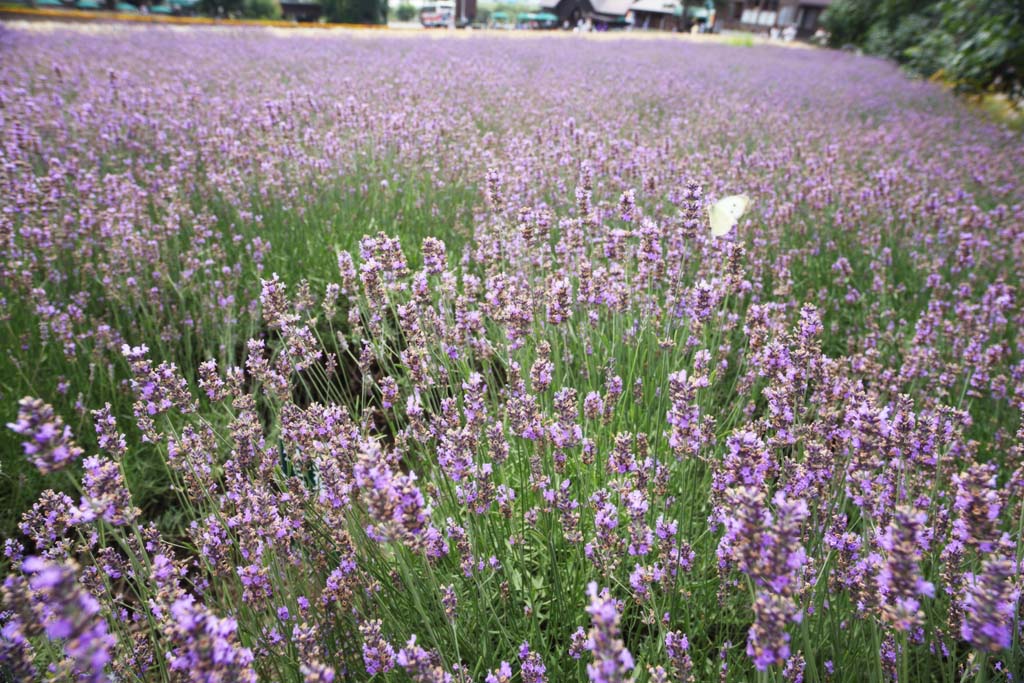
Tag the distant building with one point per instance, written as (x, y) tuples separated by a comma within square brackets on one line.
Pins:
[(311, 10), (658, 15), (652, 15), (607, 12), (762, 15)]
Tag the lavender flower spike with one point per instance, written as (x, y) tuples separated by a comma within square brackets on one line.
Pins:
[(612, 661), (48, 443)]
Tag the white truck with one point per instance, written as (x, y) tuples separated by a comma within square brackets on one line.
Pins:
[(438, 14)]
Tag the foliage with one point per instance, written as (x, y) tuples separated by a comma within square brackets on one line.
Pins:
[(405, 12), (884, 28), (929, 54), (988, 45), (740, 39), (848, 21), (261, 9), (221, 8), (356, 11), (893, 41), (978, 45)]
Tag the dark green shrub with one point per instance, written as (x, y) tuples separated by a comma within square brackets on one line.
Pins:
[(356, 11), (261, 9), (978, 45), (895, 42), (848, 21), (987, 37), (405, 12)]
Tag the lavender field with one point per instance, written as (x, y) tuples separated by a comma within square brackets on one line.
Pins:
[(353, 356)]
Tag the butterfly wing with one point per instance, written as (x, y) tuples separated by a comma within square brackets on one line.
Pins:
[(726, 212)]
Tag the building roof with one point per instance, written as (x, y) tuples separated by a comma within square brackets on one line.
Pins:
[(617, 8), (659, 6)]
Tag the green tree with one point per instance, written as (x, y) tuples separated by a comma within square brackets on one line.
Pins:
[(978, 45), (406, 12), (985, 40), (848, 21), (261, 9), (215, 8), (893, 12), (894, 36), (356, 11)]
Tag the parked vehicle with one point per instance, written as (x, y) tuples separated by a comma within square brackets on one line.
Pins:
[(438, 14)]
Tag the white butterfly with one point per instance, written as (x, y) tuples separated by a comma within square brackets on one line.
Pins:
[(726, 212)]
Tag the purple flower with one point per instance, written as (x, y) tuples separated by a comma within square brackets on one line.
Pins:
[(105, 495), (450, 601), (503, 674), (205, 647), (612, 662), (434, 254), (397, 508), (900, 582), (990, 601), (531, 666), (677, 648), (978, 504), (422, 666), (378, 655), (66, 613), (768, 640), (48, 443)]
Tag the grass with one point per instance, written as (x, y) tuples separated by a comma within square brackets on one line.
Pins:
[(304, 241), (740, 40), (1001, 109)]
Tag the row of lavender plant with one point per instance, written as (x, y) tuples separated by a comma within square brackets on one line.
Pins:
[(586, 442)]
